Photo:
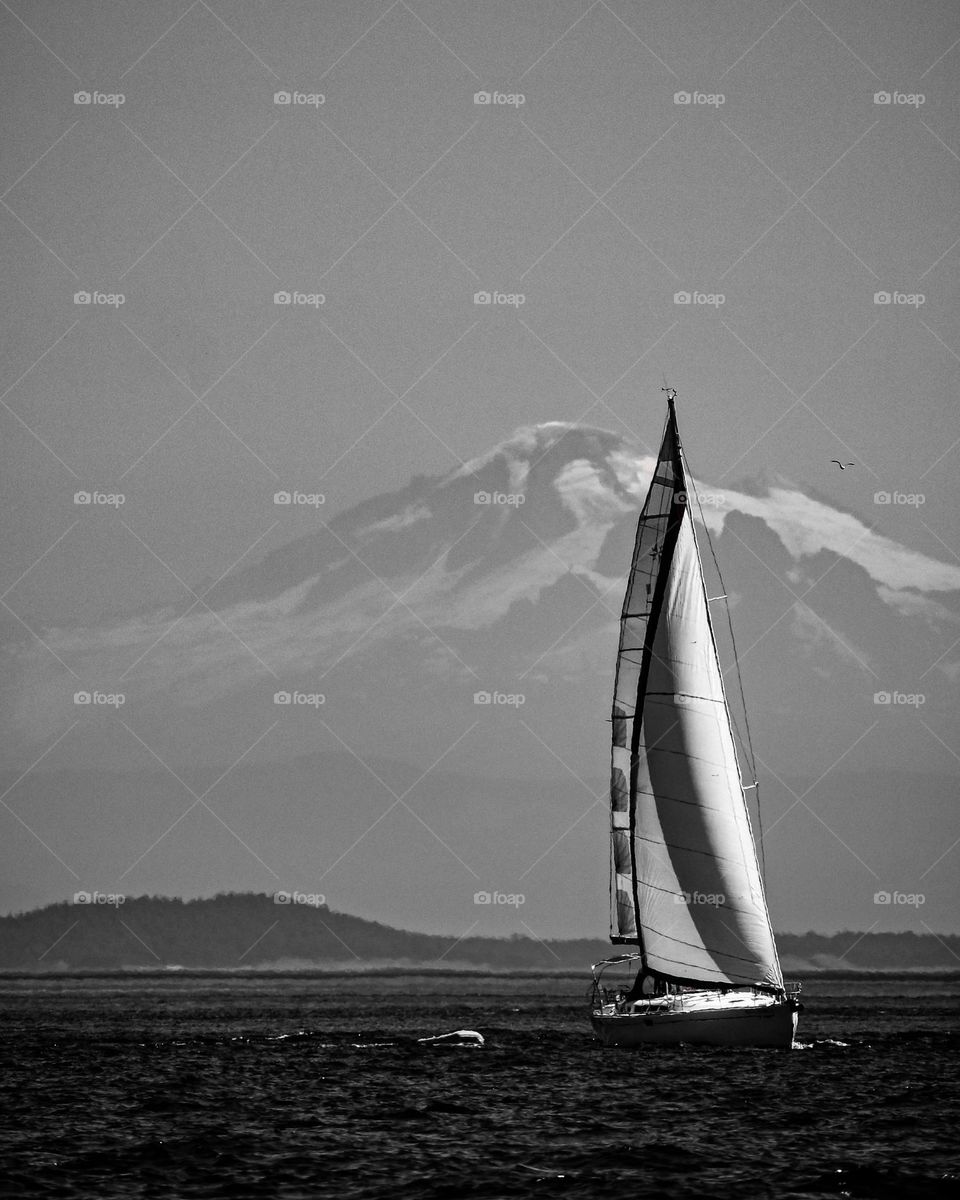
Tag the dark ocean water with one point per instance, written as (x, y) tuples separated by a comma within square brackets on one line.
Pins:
[(277, 1087)]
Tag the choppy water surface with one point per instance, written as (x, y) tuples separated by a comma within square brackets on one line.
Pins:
[(281, 1087)]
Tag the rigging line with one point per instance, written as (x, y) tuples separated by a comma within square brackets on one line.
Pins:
[(743, 700)]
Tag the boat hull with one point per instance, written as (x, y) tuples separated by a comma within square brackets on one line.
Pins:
[(771, 1026)]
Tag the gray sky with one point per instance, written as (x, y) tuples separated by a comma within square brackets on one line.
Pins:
[(784, 187)]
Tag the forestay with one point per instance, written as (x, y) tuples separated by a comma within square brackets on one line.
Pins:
[(684, 860)]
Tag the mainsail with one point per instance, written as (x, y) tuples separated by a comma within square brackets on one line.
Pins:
[(686, 884)]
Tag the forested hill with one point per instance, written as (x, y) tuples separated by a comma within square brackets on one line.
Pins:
[(237, 931)]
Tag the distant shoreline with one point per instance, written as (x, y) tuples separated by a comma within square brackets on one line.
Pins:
[(919, 974)]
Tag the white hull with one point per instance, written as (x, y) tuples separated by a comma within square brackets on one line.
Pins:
[(705, 1019)]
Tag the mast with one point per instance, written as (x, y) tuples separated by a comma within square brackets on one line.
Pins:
[(686, 883)]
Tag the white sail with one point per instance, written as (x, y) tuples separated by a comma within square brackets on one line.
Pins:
[(686, 883)]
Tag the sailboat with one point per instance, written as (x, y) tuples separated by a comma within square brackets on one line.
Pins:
[(686, 887)]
